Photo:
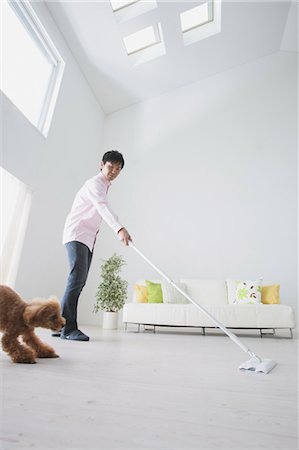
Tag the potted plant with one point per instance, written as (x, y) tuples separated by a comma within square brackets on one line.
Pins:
[(112, 291)]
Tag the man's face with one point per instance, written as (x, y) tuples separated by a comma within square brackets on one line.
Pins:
[(110, 170)]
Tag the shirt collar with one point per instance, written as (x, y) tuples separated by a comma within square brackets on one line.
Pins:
[(104, 179)]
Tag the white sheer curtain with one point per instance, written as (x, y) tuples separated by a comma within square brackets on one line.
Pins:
[(15, 202)]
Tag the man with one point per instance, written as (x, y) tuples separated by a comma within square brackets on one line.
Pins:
[(90, 207)]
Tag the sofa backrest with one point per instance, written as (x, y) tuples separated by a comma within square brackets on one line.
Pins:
[(212, 292)]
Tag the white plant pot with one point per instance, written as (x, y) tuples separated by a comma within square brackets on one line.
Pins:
[(110, 320)]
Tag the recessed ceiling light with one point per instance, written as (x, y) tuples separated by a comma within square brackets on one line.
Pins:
[(195, 17), (142, 39), (116, 5)]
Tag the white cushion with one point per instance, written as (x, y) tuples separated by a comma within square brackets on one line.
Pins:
[(204, 292), (172, 295)]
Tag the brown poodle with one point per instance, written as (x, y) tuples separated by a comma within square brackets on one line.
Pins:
[(18, 318)]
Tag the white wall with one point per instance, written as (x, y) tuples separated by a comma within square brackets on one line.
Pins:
[(54, 168), (209, 187)]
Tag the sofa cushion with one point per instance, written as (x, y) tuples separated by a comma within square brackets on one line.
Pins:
[(141, 293), (270, 294), (172, 295), (244, 291), (154, 292), (207, 291), (142, 283)]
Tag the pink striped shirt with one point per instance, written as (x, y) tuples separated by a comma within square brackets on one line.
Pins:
[(89, 209)]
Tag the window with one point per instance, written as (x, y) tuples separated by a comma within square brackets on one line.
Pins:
[(201, 22), (195, 17), (117, 5), (127, 10), (142, 39), (145, 44), (32, 68), (15, 202)]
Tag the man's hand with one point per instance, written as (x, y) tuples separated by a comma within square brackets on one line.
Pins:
[(124, 236)]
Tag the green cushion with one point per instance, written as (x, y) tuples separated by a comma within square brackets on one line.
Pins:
[(154, 292)]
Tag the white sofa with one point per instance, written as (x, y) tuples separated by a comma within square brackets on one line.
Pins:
[(175, 311)]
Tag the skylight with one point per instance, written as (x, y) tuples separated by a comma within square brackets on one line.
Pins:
[(126, 10), (116, 5), (142, 39), (195, 17), (201, 22)]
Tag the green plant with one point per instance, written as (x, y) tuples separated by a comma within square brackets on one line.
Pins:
[(112, 291)]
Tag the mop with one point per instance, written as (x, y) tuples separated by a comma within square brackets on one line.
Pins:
[(255, 363)]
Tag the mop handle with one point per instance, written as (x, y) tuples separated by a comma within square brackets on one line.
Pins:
[(202, 309)]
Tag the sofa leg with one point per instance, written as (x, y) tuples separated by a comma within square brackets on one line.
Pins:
[(153, 329), (267, 334), (291, 331), (138, 327), (203, 331)]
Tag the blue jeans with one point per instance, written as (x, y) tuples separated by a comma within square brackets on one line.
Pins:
[(79, 257)]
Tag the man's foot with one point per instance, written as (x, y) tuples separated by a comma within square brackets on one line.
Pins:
[(75, 335), (56, 333)]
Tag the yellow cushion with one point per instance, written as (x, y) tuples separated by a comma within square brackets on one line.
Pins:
[(270, 294), (141, 293)]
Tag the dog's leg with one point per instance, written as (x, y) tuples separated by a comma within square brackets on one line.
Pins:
[(42, 350), (18, 353)]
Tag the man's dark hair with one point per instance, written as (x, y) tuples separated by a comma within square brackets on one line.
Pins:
[(113, 156)]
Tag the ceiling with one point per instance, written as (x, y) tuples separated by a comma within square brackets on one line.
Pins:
[(249, 30)]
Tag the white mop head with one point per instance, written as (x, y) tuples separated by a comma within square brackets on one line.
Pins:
[(256, 364)]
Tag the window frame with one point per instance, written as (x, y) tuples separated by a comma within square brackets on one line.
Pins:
[(119, 8), (11, 245), (29, 19), (210, 4), (157, 34)]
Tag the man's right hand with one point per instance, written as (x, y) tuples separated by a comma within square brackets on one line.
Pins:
[(124, 236)]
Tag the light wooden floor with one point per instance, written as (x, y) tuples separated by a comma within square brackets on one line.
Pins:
[(169, 390)]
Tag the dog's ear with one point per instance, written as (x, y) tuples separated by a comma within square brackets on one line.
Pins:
[(32, 311)]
